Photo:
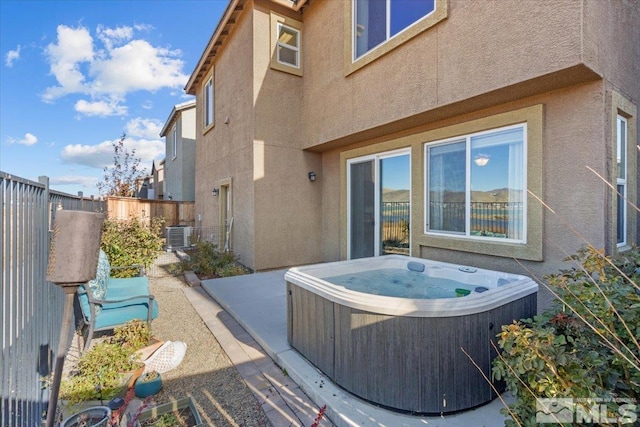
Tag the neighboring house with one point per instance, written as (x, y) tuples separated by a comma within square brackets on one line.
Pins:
[(476, 111), (179, 132), (157, 181), (144, 187)]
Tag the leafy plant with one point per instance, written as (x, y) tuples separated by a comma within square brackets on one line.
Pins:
[(585, 346), (148, 376), (206, 261), (134, 335), (102, 371), (131, 242), (120, 179)]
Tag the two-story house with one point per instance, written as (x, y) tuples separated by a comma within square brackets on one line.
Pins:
[(179, 132), (509, 128)]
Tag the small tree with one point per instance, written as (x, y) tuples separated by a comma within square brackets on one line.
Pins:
[(120, 179)]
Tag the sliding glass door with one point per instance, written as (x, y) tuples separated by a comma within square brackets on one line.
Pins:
[(379, 204)]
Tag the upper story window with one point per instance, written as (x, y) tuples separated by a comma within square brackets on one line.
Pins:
[(286, 44), (476, 185), (208, 102), (377, 21), (621, 181), (174, 135)]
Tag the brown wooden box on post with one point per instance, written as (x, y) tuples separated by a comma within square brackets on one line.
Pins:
[(73, 256)]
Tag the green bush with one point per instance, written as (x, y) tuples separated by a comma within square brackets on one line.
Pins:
[(206, 261), (585, 346), (131, 242), (102, 371)]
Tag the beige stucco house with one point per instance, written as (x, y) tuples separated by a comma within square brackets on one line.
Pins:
[(179, 133), (505, 126)]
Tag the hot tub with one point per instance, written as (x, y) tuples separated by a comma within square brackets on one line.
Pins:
[(405, 353)]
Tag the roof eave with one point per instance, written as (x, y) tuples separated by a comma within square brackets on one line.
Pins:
[(215, 42), (222, 31), (174, 112)]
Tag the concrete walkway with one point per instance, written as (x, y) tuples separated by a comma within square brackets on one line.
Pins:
[(248, 318)]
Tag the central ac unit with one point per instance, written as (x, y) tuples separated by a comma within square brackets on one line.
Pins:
[(178, 237)]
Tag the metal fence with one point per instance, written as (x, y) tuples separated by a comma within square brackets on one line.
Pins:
[(30, 307), (499, 219), (181, 237)]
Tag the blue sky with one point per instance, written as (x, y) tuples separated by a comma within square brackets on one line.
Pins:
[(76, 75)]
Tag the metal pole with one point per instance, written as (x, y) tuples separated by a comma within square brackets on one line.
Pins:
[(61, 353)]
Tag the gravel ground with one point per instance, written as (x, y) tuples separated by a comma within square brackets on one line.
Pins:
[(206, 374)]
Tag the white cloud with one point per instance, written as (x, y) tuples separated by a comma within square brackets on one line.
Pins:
[(74, 180), (74, 47), (100, 108), (123, 65), (101, 155), (29, 139), (12, 56), (144, 128), (111, 36), (138, 66), (96, 156)]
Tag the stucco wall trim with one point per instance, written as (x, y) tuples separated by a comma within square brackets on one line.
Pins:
[(572, 76)]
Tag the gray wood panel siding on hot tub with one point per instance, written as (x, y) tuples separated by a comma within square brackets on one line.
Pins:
[(413, 364)]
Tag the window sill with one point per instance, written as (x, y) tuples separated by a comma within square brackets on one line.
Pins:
[(208, 128), (511, 249)]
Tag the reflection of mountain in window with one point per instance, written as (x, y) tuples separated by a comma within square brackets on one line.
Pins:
[(478, 198)]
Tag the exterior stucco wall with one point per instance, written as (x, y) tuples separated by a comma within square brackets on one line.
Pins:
[(479, 48), (180, 171), (483, 60), (611, 34), (187, 154), (288, 214), (225, 152)]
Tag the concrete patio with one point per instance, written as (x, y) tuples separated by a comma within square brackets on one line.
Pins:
[(248, 318)]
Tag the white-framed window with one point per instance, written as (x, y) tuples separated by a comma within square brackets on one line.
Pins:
[(288, 46), (174, 135), (621, 181), (475, 185), (208, 102), (376, 21)]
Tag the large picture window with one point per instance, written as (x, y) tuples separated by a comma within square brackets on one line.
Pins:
[(377, 21), (476, 185)]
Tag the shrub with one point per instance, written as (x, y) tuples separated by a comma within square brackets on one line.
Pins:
[(101, 370), (585, 346), (206, 261), (131, 242)]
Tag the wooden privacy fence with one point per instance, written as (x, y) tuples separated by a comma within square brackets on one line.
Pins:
[(174, 212)]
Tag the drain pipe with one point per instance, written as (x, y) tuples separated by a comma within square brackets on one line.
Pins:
[(73, 260)]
